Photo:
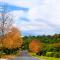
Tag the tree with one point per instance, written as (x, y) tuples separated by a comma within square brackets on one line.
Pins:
[(6, 22), (13, 39), (35, 46), (56, 45)]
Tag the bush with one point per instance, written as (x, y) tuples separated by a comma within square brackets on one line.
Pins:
[(2, 52), (53, 54), (10, 51), (50, 48), (50, 54), (57, 55), (43, 53)]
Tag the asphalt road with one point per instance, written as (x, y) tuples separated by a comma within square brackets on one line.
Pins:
[(25, 58)]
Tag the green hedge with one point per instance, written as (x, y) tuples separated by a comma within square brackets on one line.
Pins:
[(53, 54)]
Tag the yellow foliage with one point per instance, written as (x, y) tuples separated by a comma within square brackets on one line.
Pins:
[(12, 39)]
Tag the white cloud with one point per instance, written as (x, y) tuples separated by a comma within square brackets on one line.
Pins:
[(34, 25), (48, 10), (17, 14), (22, 2)]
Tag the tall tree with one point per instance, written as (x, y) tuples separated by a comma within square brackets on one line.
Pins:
[(13, 39), (6, 21)]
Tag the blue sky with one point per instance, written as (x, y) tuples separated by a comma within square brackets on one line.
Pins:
[(41, 16)]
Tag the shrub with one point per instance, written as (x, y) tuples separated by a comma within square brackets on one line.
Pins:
[(10, 51), (53, 54), (57, 55), (49, 54), (43, 53)]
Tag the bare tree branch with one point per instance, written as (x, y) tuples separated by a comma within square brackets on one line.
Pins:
[(6, 21)]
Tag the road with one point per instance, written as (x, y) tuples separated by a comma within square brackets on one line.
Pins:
[(25, 58)]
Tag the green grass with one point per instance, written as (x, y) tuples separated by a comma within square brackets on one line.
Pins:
[(47, 58), (43, 57)]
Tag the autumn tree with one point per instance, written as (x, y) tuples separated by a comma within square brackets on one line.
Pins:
[(6, 21), (13, 39), (35, 46)]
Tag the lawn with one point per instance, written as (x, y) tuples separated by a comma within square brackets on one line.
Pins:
[(47, 58), (44, 57)]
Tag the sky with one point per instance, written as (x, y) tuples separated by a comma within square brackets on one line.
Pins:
[(37, 17)]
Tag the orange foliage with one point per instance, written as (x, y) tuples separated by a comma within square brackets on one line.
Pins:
[(35, 46), (13, 39)]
